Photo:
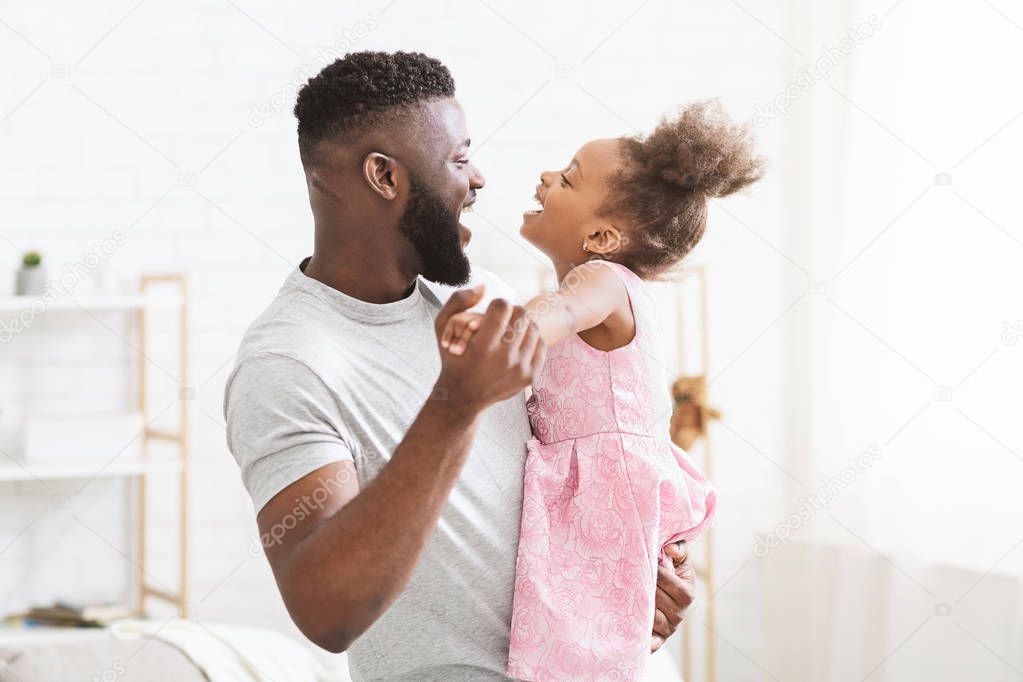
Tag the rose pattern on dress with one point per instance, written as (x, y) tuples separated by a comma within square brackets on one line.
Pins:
[(604, 490)]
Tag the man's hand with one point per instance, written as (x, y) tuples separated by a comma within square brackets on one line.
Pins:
[(501, 361), (676, 590)]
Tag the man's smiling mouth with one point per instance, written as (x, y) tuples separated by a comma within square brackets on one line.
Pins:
[(464, 233)]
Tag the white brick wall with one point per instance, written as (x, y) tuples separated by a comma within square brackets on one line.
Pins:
[(171, 90)]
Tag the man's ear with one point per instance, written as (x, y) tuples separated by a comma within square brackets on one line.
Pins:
[(607, 239), (383, 174)]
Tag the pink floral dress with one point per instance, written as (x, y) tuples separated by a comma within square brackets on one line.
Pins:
[(604, 490)]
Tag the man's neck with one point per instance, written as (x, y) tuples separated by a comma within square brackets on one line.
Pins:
[(362, 278)]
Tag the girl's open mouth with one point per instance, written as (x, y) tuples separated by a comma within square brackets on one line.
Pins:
[(535, 211)]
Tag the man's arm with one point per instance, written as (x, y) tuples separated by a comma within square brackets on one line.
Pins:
[(343, 564)]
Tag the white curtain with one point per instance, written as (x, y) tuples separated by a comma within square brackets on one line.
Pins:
[(907, 349)]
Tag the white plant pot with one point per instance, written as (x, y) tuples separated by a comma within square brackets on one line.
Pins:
[(31, 281)]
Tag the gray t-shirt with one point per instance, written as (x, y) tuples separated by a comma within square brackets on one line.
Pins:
[(321, 377)]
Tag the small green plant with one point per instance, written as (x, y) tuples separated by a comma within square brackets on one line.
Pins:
[(32, 259)]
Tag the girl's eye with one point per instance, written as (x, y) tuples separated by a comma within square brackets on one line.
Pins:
[(564, 181)]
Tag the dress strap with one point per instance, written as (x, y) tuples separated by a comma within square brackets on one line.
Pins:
[(635, 288), (630, 279)]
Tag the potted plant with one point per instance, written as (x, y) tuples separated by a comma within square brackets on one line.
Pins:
[(32, 275)]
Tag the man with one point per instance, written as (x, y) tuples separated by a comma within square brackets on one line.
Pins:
[(387, 476)]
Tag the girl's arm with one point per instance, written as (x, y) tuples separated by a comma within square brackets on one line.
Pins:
[(590, 295)]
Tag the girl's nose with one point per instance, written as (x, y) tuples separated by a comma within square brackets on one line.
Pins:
[(545, 178)]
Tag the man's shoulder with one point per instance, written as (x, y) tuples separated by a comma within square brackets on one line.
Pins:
[(280, 349), (294, 325)]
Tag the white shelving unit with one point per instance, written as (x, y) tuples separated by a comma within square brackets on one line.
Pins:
[(13, 472), (92, 303), (137, 469), (36, 635)]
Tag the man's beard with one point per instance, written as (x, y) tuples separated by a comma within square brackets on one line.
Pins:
[(432, 228)]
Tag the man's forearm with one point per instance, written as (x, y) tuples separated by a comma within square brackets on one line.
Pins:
[(347, 572)]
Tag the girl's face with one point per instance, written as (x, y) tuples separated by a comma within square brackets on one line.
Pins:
[(570, 199)]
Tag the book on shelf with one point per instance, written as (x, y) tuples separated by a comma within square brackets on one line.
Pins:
[(76, 615)]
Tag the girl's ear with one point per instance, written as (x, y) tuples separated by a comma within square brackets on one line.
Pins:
[(382, 173), (605, 240)]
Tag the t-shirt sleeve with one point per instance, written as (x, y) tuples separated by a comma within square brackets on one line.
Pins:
[(496, 288), (283, 423)]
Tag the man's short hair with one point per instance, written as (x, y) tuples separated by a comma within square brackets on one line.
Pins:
[(357, 90)]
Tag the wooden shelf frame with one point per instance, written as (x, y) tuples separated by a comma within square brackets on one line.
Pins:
[(706, 574), (181, 438), (137, 471)]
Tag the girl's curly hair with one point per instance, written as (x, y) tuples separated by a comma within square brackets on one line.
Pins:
[(667, 178)]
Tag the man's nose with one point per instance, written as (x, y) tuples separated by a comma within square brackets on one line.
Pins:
[(476, 179)]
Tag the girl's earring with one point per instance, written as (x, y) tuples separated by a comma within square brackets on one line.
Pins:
[(586, 248)]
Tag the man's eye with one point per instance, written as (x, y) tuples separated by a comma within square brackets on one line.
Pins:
[(462, 162)]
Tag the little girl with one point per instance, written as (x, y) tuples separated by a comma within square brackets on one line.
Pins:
[(605, 489)]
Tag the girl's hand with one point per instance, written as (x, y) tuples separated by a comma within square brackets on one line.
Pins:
[(458, 331)]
